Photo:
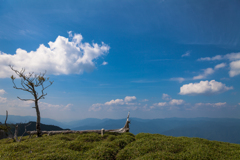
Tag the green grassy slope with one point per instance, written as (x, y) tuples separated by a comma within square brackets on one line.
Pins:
[(117, 146)]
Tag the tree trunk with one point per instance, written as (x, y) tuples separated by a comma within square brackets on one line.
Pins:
[(84, 131), (38, 120), (121, 130), (39, 134)]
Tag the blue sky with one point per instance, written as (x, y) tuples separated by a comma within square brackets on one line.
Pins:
[(156, 59)]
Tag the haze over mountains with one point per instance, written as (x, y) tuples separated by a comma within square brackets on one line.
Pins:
[(220, 129)]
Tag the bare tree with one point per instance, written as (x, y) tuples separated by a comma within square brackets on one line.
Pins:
[(29, 84), (7, 129)]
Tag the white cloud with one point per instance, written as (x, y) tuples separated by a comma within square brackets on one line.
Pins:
[(2, 91), (63, 56), (19, 103), (206, 72), (209, 71), (220, 104), (95, 107), (48, 105), (129, 98), (160, 104), (186, 54), (179, 79), (221, 65), (115, 102), (104, 63), (42, 105), (232, 56), (121, 101), (176, 102), (3, 100), (234, 65), (204, 87), (217, 57), (68, 107), (166, 97), (144, 100), (215, 105), (234, 68), (168, 105)]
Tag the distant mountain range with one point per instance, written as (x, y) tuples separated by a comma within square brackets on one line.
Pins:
[(220, 129)]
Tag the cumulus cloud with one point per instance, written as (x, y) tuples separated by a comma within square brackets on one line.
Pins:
[(215, 105), (48, 106), (217, 57), (19, 103), (3, 100), (160, 104), (206, 72), (121, 101), (179, 79), (129, 98), (234, 68), (204, 87), (145, 100), (68, 107), (166, 97), (171, 105), (186, 54), (115, 102), (176, 102), (96, 107), (104, 63), (221, 65), (232, 56), (2, 91), (63, 56), (234, 64), (209, 71), (42, 105)]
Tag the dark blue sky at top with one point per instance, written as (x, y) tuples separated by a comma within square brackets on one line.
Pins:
[(147, 40)]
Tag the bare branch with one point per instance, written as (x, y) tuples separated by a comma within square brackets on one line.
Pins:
[(8, 128), (22, 89), (48, 85), (24, 132), (42, 96), (26, 99), (29, 86), (13, 81), (22, 83)]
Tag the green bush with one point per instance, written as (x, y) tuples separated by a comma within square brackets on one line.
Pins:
[(116, 146), (91, 137), (103, 151)]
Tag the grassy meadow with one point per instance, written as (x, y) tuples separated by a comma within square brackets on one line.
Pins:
[(143, 146)]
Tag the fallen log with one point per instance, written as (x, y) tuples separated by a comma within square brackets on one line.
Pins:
[(121, 130)]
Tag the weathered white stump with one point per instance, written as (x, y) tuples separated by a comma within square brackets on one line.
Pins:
[(102, 131)]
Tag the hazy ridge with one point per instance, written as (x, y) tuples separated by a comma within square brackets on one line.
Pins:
[(220, 129)]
